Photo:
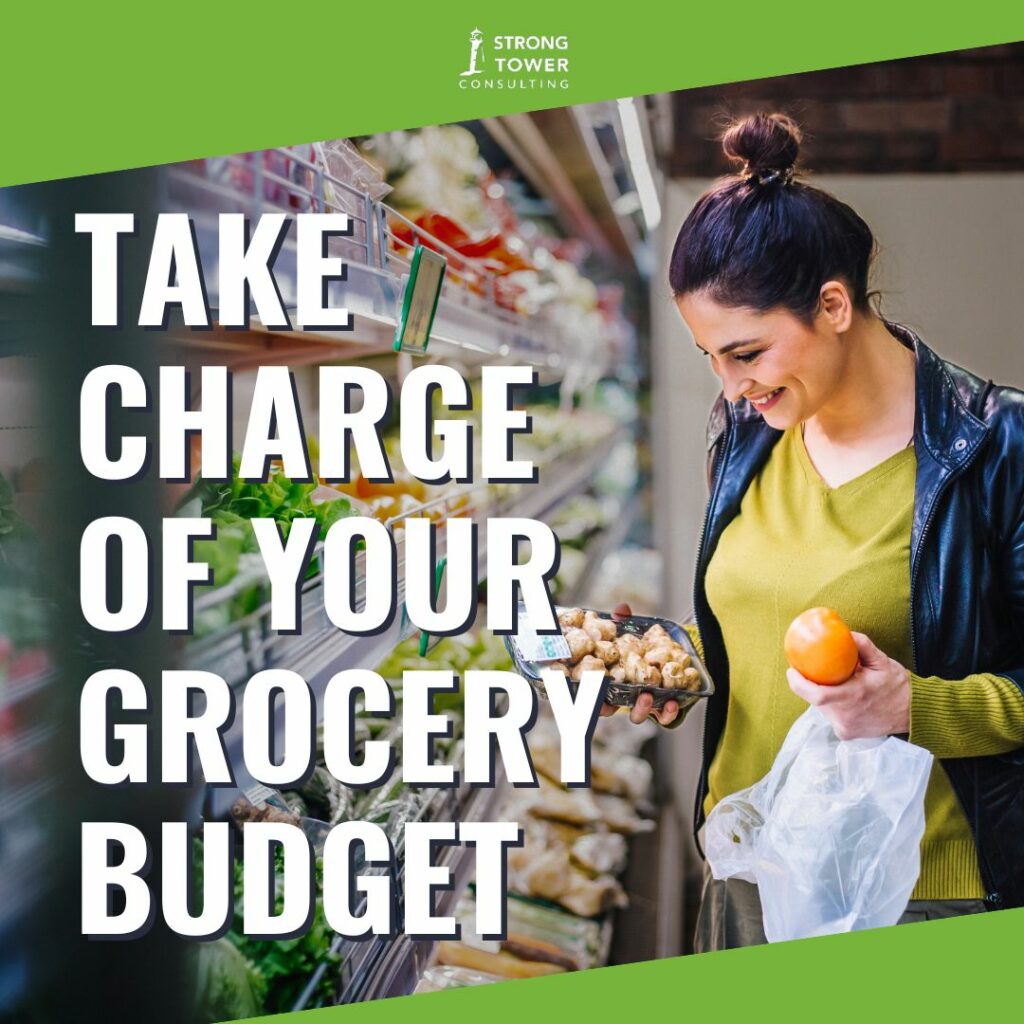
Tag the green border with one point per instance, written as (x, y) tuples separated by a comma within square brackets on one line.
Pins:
[(961, 969), (106, 86)]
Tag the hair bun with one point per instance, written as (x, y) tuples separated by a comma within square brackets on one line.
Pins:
[(764, 142)]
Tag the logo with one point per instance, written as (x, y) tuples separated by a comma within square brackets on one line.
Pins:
[(476, 38), (516, 62)]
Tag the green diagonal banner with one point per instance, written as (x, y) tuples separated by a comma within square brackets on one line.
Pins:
[(98, 87), (951, 970)]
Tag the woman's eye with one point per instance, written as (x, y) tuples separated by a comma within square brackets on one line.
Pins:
[(747, 357)]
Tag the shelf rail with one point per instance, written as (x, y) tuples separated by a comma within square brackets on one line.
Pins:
[(381, 240), (241, 645)]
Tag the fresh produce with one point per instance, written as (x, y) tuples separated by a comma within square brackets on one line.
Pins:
[(227, 985), (239, 976), (325, 797), (242, 811), (600, 853), (820, 646), (541, 939), (285, 965), (614, 772), (403, 484), (234, 552), (503, 964), (551, 874), (231, 505), (577, 519), (435, 979), (477, 649), (654, 659), (579, 936)]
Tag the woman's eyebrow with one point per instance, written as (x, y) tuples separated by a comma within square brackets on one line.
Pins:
[(726, 349)]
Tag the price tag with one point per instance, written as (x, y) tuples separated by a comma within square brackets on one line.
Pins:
[(533, 646), (258, 794), (419, 302), (438, 576)]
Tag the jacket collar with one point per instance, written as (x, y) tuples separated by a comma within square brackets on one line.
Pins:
[(944, 427)]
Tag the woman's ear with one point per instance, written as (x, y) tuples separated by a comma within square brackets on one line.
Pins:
[(836, 306)]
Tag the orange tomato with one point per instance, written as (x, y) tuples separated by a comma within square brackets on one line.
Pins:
[(351, 488), (385, 507), (403, 483), (820, 646)]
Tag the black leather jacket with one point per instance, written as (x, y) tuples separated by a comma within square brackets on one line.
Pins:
[(966, 574)]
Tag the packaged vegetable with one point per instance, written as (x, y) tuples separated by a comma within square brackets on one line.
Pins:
[(227, 986), (504, 964), (436, 978)]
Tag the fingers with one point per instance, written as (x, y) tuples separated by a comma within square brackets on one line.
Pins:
[(813, 693), (621, 611), (641, 709), (668, 713), (870, 655)]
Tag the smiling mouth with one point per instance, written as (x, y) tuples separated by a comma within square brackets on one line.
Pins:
[(768, 398)]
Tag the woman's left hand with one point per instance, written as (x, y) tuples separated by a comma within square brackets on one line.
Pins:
[(874, 701)]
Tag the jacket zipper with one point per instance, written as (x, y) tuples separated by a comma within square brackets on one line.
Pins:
[(959, 471), (953, 475), (992, 898), (716, 467)]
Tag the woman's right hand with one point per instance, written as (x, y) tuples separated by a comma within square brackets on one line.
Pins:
[(644, 706)]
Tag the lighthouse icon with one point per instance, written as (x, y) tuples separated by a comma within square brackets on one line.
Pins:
[(476, 38)]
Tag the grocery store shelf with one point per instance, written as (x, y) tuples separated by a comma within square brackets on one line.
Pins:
[(551, 150), (369, 966), (404, 959), (563, 478), (471, 325), (320, 650), (607, 541), (469, 322)]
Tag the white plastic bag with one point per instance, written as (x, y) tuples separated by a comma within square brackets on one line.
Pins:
[(830, 835)]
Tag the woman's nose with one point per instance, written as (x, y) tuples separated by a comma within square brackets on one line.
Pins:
[(734, 386)]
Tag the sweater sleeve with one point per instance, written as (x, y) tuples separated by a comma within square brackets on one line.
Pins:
[(694, 635), (977, 716)]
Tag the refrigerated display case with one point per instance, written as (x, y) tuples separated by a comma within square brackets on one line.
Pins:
[(485, 315)]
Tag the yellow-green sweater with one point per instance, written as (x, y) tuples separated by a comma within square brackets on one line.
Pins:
[(796, 544)]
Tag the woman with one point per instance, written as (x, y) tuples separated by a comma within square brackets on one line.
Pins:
[(850, 467)]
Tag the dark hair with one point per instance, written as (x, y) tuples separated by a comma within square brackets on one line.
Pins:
[(761, 239)]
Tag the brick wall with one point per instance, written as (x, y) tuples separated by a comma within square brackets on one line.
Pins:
[(961, 111)]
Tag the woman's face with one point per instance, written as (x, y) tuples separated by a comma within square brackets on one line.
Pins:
[(787, 369)]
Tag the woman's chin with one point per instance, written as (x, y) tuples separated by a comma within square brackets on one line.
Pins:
[(780, 418)]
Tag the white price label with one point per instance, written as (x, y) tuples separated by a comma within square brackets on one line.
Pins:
[(258, 794), (533, 646)]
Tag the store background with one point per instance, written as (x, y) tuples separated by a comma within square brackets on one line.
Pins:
[(928, 150)]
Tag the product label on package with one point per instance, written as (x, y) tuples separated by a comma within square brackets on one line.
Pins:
[(258, 794), (535, 647)]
